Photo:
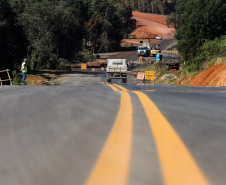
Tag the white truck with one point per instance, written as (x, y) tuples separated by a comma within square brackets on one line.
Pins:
[(117, 69), (143, 51)]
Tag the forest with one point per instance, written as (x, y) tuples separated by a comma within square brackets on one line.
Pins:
[(53, 33)]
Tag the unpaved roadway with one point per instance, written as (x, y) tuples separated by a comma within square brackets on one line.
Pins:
[(150, 25), (86, 132)]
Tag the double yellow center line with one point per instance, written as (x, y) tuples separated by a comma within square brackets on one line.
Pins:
[(112, 166), (177, 164)]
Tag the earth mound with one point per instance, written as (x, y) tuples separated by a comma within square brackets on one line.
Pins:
[(213, 76)]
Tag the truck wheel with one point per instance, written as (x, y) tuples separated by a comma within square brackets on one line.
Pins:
[(108, 80), (124, 80)]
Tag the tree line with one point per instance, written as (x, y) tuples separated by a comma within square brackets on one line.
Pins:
[(52, 32), (201, 30), (151, 6)]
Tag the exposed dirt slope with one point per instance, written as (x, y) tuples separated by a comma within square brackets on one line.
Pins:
[(149, 26), (212, 76)]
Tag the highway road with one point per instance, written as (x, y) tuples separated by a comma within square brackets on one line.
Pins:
[(84, 131)]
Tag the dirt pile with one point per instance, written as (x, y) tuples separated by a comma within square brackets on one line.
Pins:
[(96, 63), (212, 76), (35, 80)]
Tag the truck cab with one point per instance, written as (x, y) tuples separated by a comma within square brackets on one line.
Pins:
[(143, 51)]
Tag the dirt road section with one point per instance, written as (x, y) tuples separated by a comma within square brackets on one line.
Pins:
[(149, 26)]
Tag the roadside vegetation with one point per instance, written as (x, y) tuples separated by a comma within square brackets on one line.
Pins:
[(201, 34), (163, 7), (52, 34)]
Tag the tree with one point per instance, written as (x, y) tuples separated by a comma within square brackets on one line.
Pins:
[(109, 21), (55, 29), (202, 20), (52, 29), (12, 46), (175, 17), (151, 6)]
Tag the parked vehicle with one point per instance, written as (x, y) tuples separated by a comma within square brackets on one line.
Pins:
[(146, 50), (117, 69), (143, 51), (159, 37), (154, 52)]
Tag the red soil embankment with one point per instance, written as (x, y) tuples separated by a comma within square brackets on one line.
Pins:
[(212, 76)]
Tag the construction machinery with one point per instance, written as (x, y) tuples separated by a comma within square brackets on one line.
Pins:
[(146, 50)]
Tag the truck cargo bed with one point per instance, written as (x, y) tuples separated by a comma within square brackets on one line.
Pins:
[(116, 69)]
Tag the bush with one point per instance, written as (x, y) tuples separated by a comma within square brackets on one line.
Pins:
[(192, 67), (210, 49), (84, 56), (202, 20), (17, 77)]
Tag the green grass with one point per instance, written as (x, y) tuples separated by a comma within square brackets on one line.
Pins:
[(147, 67)]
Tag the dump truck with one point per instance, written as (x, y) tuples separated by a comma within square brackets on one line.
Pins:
[(116, 69), (172, 62)]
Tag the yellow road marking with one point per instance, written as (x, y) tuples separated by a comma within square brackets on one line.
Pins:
[(148, 90), (113, 88), (124, 89), (189, 91), (178, 165), (112, 166), (102, 82)]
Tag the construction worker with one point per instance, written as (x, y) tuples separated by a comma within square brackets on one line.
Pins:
[(141, 58), (131, 63), (24, 70), (158, 46)]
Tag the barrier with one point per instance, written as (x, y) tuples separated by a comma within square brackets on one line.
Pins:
[(5, 80), (158, 57), (83, 66), (140, 75)]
